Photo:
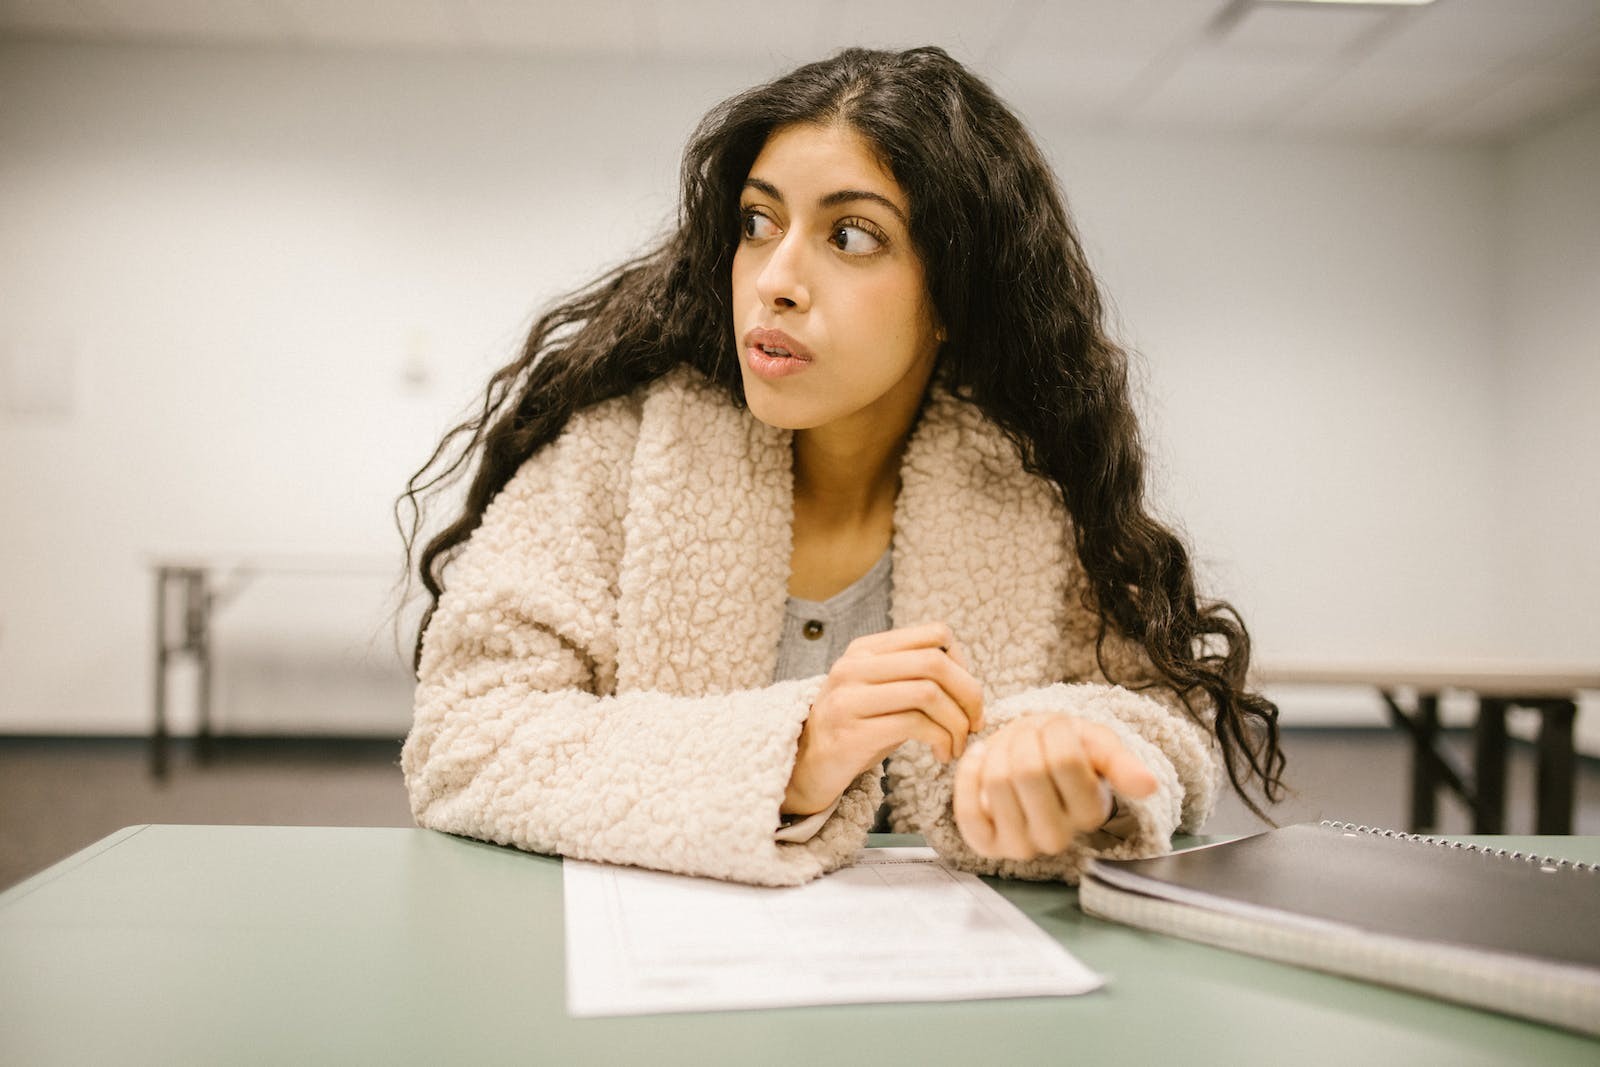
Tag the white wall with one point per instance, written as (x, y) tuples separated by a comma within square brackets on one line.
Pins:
[(1549, 593), (1319, 357), (241, 256)]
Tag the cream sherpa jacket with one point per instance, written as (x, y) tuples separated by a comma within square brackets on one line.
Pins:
[(596, 680)]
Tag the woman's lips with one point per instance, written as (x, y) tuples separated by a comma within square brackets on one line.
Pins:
[(774, 354)]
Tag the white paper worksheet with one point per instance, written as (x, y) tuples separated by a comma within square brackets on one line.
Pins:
[(897, 926)]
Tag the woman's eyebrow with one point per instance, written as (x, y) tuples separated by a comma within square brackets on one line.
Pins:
[(833, 199)]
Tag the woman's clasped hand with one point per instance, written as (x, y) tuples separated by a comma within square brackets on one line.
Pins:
[(908, 684), (1024, 791)]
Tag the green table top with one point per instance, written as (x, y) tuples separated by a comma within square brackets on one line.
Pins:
[(204, 944)]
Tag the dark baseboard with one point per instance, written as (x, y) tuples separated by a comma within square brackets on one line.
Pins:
[(227, 748)]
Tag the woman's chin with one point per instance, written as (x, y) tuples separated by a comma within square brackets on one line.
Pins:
[(779, 412), (779, 416)]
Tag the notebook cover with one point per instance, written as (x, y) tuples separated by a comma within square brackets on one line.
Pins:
[(1387, 884)]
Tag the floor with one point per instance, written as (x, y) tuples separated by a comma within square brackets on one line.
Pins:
[(59, 795)]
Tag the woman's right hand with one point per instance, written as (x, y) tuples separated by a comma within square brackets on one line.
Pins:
[(910, 684)]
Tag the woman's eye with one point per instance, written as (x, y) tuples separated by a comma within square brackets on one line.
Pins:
[(756, 225), (855, 239)]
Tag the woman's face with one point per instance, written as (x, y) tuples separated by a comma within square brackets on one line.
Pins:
[(831, 313)]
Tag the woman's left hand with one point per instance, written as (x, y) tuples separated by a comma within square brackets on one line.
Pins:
[(1036, 783)]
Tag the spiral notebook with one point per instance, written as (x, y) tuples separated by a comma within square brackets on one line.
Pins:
[(1495, 929)]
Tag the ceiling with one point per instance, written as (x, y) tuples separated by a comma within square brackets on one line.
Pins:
[(1448, 71)]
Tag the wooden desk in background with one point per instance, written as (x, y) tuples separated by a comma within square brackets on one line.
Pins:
[(191, 587), (1551, 691)]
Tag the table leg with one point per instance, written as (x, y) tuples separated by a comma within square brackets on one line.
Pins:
[(158, 730), (198, 641), (1557, 762), (1431, 767), (1489, 758), (1424, 764)]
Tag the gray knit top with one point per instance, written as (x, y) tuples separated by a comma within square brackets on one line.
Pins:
[(815, 633)]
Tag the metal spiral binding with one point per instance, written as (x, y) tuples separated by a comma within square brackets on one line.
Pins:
[(1553, 863)]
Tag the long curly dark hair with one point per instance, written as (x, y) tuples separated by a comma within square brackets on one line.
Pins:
[(1026, 343)]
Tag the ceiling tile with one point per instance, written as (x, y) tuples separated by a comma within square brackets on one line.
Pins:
[(1132, 33), (1511, 108), (1117, 27), (1210, 90), (51, 18), (746, 30), (1577, 56), (1088, 89), (1385, 98), (1489, 31), (1308, 31), (1092, 57), (610, 27), (218, 21), (376, 23), (966, 30)]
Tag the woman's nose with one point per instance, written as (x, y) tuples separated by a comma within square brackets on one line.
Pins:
[(781, 283)]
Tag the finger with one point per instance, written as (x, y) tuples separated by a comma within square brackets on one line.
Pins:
[(1074, 775), (925, 635), (1112, 761), (921, 695), (929, 663), (929, 636), (958, 656), (972, 819), (952, 671), (881, 735), (1050, 823), (893, 729), (1005, 812)]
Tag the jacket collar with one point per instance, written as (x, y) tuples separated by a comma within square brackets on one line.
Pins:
[(978, 542)]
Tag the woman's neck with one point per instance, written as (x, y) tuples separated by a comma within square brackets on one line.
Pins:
[(844, 497), (846, 480), (841, 483)]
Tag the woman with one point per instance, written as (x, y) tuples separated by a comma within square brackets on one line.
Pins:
[(844, 470)]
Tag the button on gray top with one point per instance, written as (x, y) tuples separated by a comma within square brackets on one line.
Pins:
[(815, 633)]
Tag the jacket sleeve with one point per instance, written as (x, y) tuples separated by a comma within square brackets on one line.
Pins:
[(519, 737), (1150, 719)]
